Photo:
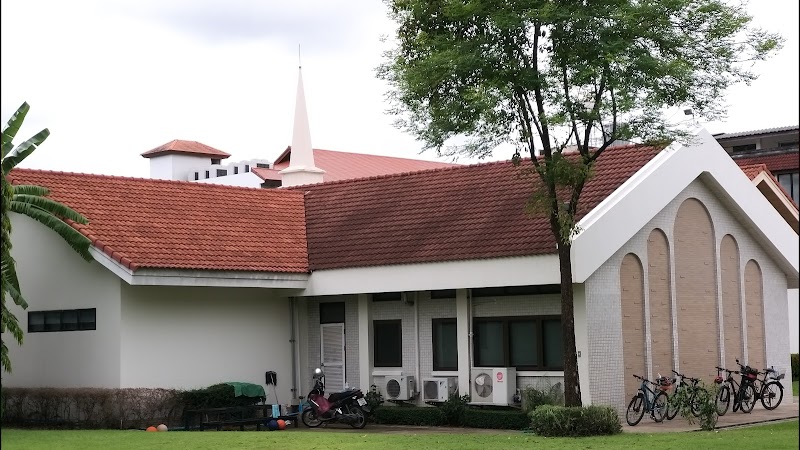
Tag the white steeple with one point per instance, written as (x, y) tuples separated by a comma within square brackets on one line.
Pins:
[(301, 168)]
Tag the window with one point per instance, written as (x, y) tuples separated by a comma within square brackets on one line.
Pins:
[(221, 172), (247, 168), (62, 320), (262, 165), (527, 343), (744, 148), (387, 297), (787, 144), (332, 312), (208, 174), (215, 161), (387, 343), (444, 293), (517, 290), (196, 176), (791, 182), (445, 344), (235, 170)]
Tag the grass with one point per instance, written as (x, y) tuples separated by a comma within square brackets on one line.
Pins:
[(775, 436), (794, 388)]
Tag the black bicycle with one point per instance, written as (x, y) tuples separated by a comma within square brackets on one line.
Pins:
[(646, 400), (688, 384), (742, 393), (769, 388)]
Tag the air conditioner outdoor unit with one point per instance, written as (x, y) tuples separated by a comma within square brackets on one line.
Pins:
[(495, 386), (400, 387), (438, 389)]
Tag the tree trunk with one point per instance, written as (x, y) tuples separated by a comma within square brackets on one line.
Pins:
[(572, 387)]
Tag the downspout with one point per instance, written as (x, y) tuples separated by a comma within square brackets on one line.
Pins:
[(469, 333), (416, 334), (293, 344)]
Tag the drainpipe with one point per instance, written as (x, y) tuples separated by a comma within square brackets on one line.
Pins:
[(416, 334), (293, 344)]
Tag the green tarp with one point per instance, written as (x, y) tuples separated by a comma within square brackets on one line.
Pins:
[(247, 389)]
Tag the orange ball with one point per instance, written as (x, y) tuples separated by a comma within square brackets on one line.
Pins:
[(152, 429), (281, 424)]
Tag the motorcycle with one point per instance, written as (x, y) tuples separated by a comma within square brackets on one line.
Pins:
[(348, 406)]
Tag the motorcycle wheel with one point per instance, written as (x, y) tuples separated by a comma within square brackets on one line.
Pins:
[(362, 417), (310, 419)]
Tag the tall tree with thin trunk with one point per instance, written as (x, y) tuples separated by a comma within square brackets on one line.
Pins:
[(553, 75), (31, 201)]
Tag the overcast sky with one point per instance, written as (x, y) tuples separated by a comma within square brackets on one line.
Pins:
[(112, 79)]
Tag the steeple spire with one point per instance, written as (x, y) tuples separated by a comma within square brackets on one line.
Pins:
[(301, 168)]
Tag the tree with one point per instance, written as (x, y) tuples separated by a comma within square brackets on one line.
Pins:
[(556, 75), (31, 201)]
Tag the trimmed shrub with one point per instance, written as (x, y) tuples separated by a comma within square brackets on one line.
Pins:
[(453, 409), (795, 366), (532, 398), (554, 421), (374, 401), (502, 420), (411, 415)]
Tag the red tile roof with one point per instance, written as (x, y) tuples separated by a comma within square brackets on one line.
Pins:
[(774, 162), (173, 224), (458, 213), (186, 147), (752, 171), (344, 165)]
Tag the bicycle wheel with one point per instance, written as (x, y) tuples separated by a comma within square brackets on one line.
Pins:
[(660, 407), (771, 395), (696, 403), (635, 410), (747, 398), (723, 400), (673, 406)]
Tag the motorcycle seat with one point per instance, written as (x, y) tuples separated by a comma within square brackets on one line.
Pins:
[(340, 395)]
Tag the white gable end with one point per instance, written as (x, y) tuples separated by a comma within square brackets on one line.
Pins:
[(615, 220)]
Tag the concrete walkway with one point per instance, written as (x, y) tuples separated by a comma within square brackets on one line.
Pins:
[(759, 415)]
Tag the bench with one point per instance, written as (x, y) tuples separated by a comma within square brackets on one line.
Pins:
[(217, 418)]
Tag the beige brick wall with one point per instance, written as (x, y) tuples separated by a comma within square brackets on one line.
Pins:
[(754, 307), (633, 337), (660, 303), (696, 291), (731, 300)]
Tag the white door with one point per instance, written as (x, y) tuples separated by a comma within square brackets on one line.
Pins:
[(332, 355)]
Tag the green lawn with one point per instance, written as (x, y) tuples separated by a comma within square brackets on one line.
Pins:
[(776, 436), (794, 388)]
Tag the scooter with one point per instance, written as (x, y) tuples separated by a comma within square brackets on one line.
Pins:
[(348, 406)]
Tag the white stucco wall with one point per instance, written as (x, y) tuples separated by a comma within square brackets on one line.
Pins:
[(176, 166), (190, 337), (53, 277), (247, 179), (794, 315)]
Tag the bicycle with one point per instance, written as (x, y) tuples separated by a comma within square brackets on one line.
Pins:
[(769, 388), (744, 394), (646, 400), (673, 405)]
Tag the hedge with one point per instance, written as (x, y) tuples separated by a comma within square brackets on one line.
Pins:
[(507, 420), (795, 366), (553, 421)]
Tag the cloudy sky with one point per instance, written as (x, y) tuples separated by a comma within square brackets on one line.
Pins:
[(112, 79)]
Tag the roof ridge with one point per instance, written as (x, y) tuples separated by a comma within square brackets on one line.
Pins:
[(151, 180)]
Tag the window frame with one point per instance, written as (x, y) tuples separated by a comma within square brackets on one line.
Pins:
[(506, 321), (387, 362), (434, 342)]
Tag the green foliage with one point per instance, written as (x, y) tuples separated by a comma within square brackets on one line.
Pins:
[(216, 396), (795, 366), (453, 409), (500, 419), (533, 398), (554, 421), (374, 401), (704, 403), (411, 415), (31, 201)]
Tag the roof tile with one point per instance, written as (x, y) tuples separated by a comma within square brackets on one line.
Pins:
[(186, 147), (145, 223)]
